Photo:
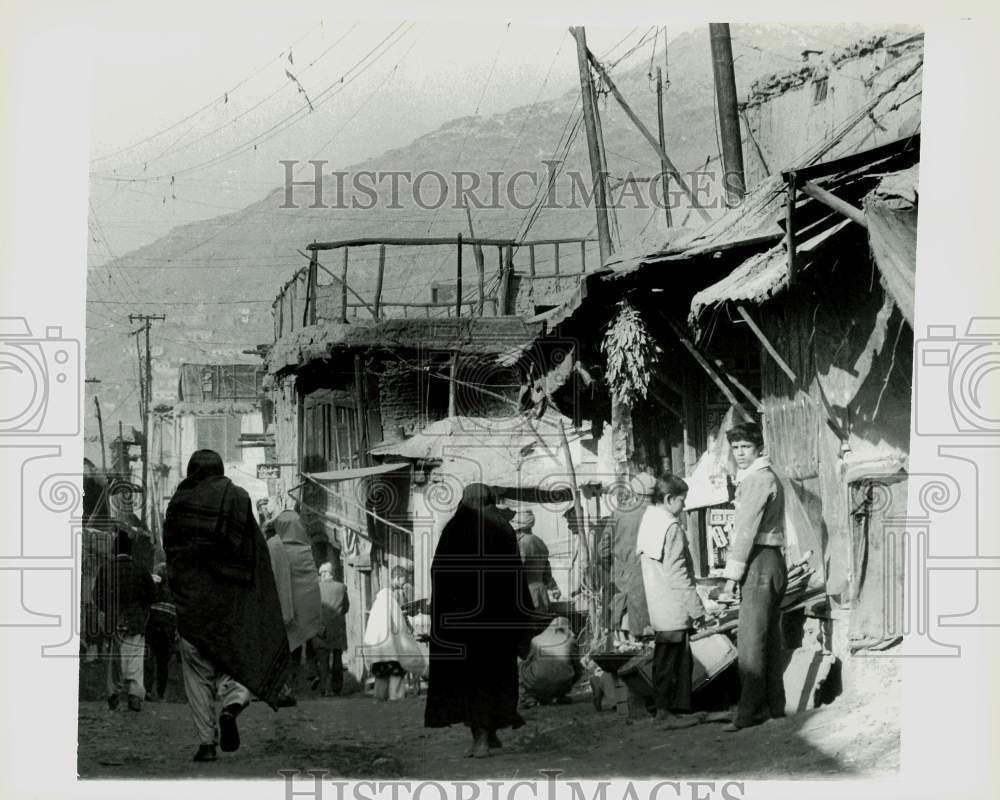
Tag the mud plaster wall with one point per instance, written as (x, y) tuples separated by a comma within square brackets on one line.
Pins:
[(787, 124)]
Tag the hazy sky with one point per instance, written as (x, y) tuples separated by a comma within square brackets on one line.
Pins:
[(205, 90)]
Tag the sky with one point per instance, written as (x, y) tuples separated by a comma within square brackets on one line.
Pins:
[(170, 98)]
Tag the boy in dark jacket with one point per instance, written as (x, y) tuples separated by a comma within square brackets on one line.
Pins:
[(124, 591)]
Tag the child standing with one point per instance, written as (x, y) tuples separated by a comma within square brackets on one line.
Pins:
[(668, 578)]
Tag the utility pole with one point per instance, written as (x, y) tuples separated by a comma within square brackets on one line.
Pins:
[(100, 431), (729, 120), (147, 320), (593, 143), (100, 427), (664, 171)]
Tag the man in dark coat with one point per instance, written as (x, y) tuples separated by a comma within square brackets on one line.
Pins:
[(232, 638), (627, 594), (481, 617)]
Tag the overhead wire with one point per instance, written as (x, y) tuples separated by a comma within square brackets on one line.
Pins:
[(223, 97)]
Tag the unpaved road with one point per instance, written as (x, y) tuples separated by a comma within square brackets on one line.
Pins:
[(357, 737)]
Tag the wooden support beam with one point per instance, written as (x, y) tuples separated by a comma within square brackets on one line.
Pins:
[(790, 228), (649, 137), (831, 200), (709, 368), (766, 343), (378, 284), (667, 404), (343, 287), (754, 400), (364, 303)]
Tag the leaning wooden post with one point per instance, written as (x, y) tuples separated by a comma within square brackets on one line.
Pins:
[(343, 287), (790, 228), (458, 279), (378, 285), (481, 298)]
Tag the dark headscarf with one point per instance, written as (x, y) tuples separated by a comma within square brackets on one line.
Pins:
[(220, 575)]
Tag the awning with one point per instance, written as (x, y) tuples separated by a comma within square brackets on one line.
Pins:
[(760, 277), (891, 211), (356, 472)]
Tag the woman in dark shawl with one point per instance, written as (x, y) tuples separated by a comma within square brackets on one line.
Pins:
[(228, 612), (481, 617)]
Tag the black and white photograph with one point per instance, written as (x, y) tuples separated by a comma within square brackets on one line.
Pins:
[(571, 399)]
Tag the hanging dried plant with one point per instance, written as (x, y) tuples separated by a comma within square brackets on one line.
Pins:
[(631, 353)]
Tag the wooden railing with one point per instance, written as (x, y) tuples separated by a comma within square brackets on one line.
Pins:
[(297, 306)]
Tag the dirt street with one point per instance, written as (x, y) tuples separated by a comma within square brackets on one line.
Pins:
[(357, 737)]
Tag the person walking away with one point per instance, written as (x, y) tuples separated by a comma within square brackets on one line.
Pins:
[(331, 641), (298, 590), (673, 602), (481, 617), (535, 557), (124, 591), (756, 562), (232, 639), (161, 633), (626, 593), (552, 667)]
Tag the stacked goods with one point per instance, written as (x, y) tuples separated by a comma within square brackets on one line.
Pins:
[(798, 579), (725, 619)]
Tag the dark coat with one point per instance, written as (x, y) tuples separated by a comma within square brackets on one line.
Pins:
[(627, 593), (481, 617), (222, 584), (124, 591)]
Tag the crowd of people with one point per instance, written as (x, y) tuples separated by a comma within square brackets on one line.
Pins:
[(240, 597)]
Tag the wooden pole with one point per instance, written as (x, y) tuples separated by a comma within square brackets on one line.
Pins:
[(477, 253), (452, 378), (309, 312), (734, 179), (649, 138), (531, 262), (832, 201), (587, 95), (378, 285), (100, 432), (343, 287), (122, 451), (458, 278), (790, 228), (709, 368), (362, 411), (577, 505), (664, 171), (766, 343)]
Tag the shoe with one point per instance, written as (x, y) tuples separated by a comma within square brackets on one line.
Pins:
[(493, 741), (134, 703), (229, 732), (206, 752), (113, 702)]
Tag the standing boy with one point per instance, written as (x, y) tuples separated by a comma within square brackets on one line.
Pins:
[(756, 561), (673, 603)]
